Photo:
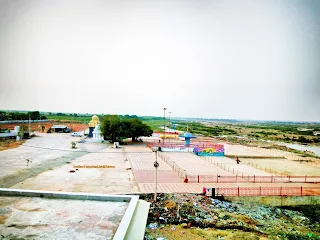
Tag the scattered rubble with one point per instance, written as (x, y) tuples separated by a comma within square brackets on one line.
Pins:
[(190, 210)]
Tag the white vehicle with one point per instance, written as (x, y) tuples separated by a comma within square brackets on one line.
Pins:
[(76, 134)]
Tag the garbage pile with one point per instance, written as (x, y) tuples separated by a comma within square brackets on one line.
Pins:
[(190, 210)]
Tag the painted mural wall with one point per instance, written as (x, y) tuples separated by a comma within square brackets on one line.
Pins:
[(217, 150)]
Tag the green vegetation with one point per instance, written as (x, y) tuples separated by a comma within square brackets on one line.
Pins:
[(73, 145), (78, 118), (153, 122), (289, 129), (198, 128), (116, 128), (7, 116)]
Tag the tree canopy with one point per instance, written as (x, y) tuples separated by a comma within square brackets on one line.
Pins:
[(4, 116), (117, 128)]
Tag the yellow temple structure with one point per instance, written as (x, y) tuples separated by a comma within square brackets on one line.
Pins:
[(92, 124)]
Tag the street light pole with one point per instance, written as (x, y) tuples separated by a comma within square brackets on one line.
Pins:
[(156, 164), (29, 126), (164, 123)]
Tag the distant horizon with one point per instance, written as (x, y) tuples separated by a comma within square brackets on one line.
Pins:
[(161, 116)]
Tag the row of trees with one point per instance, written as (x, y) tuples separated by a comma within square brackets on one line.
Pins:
[(5, 116), (116, 128)]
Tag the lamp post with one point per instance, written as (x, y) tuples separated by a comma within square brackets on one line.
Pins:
[(164, 123), (156, 165)]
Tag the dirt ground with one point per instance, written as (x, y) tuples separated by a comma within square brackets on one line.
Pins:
[(10, 143), (283, 166)]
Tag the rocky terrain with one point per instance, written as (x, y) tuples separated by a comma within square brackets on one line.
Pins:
[(190, 216)]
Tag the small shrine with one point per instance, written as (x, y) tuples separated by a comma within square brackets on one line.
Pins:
[(93, 124), (97, 134)]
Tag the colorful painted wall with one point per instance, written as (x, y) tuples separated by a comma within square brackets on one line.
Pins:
[(217, 150)]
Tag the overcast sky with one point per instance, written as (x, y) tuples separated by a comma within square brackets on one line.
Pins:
[(217, 59)]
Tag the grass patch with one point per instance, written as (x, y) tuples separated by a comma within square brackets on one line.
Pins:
[(194, 233)]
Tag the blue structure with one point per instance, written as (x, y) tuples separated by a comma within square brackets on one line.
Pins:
[(187, 136), (90, 132)]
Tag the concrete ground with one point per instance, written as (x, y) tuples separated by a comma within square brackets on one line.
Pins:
[(43, 218), (37, 150), (51, 159), (94, 179)]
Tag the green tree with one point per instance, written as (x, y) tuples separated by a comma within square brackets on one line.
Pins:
[(3, 116), (116, 128), (34, 115), (302, 139), (111, 127), (137, 128)]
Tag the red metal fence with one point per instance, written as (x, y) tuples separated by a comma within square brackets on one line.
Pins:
[(181, 145), (266, 191), (237, 178), (253, 179), (181, 173)]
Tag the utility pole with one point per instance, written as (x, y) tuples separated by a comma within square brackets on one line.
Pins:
[(29, 125), (156, 165), (164, 123)]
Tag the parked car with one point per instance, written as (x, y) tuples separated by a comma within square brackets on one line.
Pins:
[(76, 134)]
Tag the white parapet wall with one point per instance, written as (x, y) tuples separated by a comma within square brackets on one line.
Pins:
[(9, 134)]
